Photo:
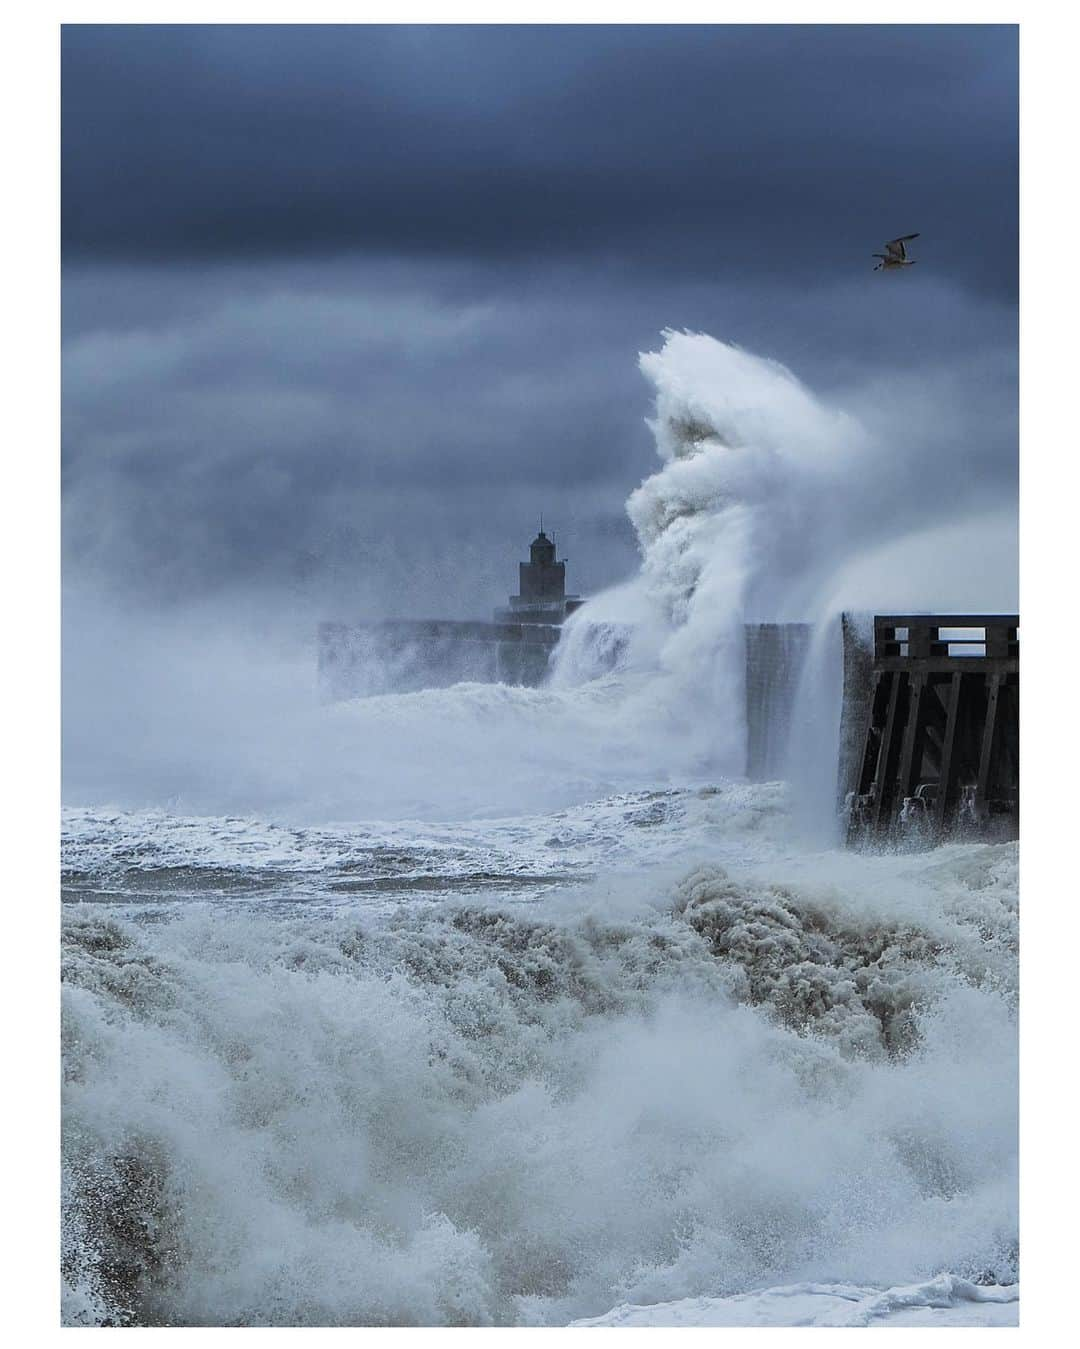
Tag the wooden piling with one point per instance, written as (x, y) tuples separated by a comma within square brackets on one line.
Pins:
[(943, 718)]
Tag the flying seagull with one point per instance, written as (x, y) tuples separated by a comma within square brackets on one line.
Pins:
[(895, 254)]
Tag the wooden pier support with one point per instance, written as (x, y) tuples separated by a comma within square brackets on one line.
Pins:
[(941, 749)]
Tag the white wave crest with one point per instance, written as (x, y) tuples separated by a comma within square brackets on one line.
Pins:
[(473, 1114), (944, 1301)]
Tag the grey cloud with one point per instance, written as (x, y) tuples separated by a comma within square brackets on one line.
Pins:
[(343, 434), (664, 149), (344, 308)]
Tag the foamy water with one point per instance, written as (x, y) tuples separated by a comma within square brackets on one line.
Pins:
[(518, 1006), (334, 1106)]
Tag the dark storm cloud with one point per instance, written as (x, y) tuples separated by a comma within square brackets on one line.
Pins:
[(345, 308), (383, 440), (729, 148), (280, 425)]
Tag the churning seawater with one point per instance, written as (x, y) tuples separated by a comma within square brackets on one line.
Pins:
[(523, 1071), (512, 1006)]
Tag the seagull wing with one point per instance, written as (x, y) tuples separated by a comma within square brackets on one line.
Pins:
[(895, 247)]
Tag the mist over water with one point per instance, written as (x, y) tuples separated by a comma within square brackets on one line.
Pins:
[(504, 1005), (768, 505)]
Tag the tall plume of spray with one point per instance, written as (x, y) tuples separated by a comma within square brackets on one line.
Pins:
[(772, 506), (727, 526)]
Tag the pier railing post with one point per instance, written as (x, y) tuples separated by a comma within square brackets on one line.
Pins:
[(886, 764), (947, 776), (982, 786), (911, 755)]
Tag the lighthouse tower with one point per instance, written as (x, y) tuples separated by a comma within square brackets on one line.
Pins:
[(542, 596)]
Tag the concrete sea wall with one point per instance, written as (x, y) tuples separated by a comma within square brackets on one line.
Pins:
[(775, 657), (361, 660), (396, 656)]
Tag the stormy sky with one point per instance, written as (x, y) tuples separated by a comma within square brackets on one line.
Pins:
[(346, 307)]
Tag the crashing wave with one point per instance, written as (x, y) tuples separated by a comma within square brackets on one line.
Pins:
[(469, 1114)]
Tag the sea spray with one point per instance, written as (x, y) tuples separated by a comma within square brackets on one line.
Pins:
[(813, 749), (495, 1005), (769, 504), (468, 1113)]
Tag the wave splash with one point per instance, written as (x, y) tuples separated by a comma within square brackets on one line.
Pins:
[(755, 1068), (467, 1114), (750, 466), (768, 504)]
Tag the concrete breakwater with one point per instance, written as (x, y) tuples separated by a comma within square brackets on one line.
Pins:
[(775, 658), (400, 656), (361, 660), (928, 731)]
